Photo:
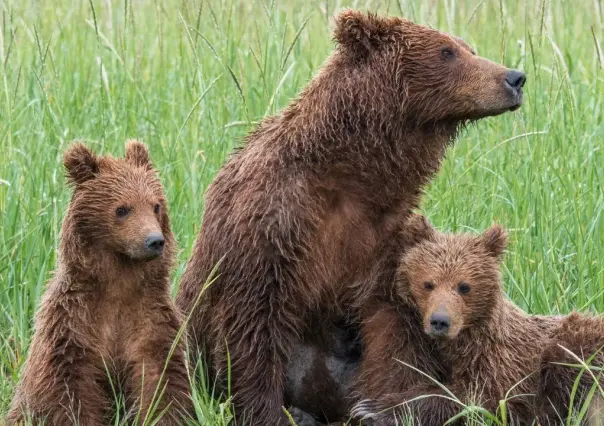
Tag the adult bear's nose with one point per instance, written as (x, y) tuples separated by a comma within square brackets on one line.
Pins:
[(515, 79), (154, 243)]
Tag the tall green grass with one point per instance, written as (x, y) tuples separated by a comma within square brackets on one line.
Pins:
[(191, 77)]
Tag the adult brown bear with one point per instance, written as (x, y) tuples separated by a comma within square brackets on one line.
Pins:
[(301, 213)]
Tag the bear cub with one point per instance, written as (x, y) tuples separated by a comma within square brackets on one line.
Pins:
[(106, 319), (489, 350)]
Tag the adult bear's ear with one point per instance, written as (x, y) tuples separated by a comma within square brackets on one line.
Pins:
[(137, 154), (360, 33), (495, 241), (80, 164)]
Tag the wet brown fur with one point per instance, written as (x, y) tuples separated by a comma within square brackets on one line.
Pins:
[(299, 215), (330, 361), (583, 336), (492, 350), (106, 311)]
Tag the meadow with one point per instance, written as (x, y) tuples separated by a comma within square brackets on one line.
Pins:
[(192, 77)]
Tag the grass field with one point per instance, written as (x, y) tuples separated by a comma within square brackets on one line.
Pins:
[(190, 78)]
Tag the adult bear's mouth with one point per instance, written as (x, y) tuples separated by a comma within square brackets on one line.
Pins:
[(518, 100), (515, 107), (514, 103)]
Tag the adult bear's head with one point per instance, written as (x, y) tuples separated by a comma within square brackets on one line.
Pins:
[(429, 75)]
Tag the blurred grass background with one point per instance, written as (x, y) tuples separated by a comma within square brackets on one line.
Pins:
[(191, 77)]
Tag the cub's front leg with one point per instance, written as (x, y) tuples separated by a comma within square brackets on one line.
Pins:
[(159, 380), (394, 352), (64, 376), (426, 405)]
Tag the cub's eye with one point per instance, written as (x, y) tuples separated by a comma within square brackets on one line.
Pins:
[(156, 209), (463, 288), (429, 285), (447, 53), (122, 211)]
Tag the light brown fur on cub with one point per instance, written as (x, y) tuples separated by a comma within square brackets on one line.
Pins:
[(107, 310), (485, 348)]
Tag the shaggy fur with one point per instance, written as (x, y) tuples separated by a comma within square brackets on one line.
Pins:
[(325, 368), (107, 311), (298, 216), (583, 336), (491, 349)]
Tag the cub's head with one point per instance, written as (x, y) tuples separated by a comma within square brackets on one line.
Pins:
[(118, 204), (454, 280), (431, 75)]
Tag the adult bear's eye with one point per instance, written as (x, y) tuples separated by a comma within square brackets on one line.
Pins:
[(447, 53), (156, 209), (463, 288), (122, 211), (429, 285)]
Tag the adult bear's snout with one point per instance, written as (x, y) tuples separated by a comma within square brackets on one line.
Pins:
[(513, 82)]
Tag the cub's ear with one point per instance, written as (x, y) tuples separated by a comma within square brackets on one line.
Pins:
[(80, 164), (360, 33), (137, 153), (417, 229), (495, 241), (402, 281)]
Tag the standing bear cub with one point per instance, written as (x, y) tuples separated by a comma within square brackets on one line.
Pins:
[(296, 219), (484, 349), (106, 319)]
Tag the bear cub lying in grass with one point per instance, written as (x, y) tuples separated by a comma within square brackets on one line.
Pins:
[(488, 352), (106, 321)]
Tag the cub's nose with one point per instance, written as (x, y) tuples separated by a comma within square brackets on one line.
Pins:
[(439, 323), (515, 79), (154, 243)]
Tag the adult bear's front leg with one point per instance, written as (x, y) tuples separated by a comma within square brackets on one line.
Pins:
[(253, 347)]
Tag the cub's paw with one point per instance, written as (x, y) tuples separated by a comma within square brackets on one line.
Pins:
[(364, 409), (371, 413)]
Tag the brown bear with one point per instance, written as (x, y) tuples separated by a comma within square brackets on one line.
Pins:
[(298, 217), (477, 344), (106, 318)]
